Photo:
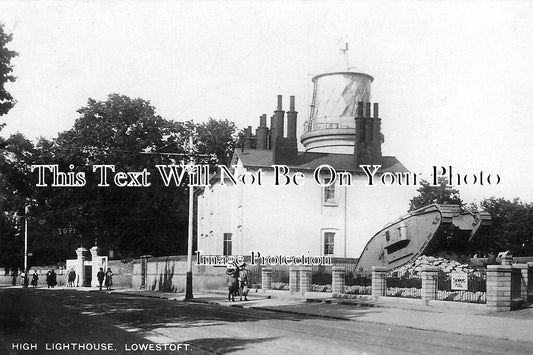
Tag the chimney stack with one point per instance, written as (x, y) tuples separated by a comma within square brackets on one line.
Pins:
[(368, 137), (278, 128), (262, 133), (291, 120), (248, 138), (270, 131), (284, 150)]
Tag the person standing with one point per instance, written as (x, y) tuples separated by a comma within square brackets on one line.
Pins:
[(24, 279), (53, 278), (13, 277), (108, 278), (34, 278), (71, 277), (100, 276), (244, 281)]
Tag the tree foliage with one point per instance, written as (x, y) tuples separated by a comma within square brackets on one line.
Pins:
[(512, 227), (127, 134), (442, 194), (16, 157), (6, 69)]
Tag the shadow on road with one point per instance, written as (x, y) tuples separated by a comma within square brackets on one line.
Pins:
[(153, 313)]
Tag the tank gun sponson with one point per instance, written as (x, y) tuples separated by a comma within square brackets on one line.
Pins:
[(427, 230)]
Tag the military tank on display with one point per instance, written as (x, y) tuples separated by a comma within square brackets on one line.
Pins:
[(425, 231)]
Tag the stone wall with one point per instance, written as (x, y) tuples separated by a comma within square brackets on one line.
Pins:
[(6, 280), (122, 272), (168, 274)]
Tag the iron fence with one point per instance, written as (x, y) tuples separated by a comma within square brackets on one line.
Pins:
[(473, 291), (254, 276), (403, 285), (359, 284), (280, 275), (360, 279), (321, 275)]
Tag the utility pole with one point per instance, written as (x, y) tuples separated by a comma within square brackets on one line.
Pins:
[(188, 287), (190, 168), (26, 211)]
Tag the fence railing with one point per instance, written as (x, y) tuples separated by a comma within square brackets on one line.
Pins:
[(280, 275), (359, 284), (321, 275), (254, 275), (474, 291), (406, 285)]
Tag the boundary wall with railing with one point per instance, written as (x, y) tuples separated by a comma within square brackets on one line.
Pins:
[(501, 288)]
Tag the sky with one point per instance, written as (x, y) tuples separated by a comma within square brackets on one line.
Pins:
[(454, 79)]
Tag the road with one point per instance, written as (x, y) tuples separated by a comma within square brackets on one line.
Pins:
[(78, 322)]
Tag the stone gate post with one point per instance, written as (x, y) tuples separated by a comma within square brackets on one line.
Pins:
[(266, 278), (305, 279), (429, 276), (80, 266), (338, 281), (499, 287), (293, 279), (94, 265), (379, 281)]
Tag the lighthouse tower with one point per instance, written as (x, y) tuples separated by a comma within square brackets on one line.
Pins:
[(331, 124)]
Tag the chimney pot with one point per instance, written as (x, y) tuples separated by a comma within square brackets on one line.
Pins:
[(279, 102), (367, 109), (376, 110), (360, 106), (291, 107)]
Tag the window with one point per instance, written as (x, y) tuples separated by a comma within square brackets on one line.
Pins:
[(227, 243), (329, 239), (329, 193)]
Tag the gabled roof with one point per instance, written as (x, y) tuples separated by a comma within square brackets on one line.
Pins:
[(260, 158)]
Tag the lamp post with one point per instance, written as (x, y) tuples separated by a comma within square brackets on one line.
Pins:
[(188, 287), (26, 211), (190, 168)]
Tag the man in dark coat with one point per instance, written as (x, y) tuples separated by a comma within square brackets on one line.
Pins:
[(100, 276)]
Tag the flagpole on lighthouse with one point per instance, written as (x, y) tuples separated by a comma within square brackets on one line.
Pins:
[(345, 52)]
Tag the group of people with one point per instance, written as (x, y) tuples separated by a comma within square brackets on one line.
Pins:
[(238, 280), (51, 278), (105, 276)]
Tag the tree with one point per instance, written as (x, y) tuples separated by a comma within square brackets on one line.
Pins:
[(128, 134), (217, 137), (119, 131), (6, 68), (512, 227), (15, 191), (442, 194)]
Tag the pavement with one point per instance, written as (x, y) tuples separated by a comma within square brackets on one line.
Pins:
[(515, 325)]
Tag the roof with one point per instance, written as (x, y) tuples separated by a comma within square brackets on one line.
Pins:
[(260, 158)]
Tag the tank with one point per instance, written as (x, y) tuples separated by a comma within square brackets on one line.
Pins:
[(426, 231), (331, 124)]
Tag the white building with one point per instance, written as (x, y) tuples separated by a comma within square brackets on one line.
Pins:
[(341, 133)]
